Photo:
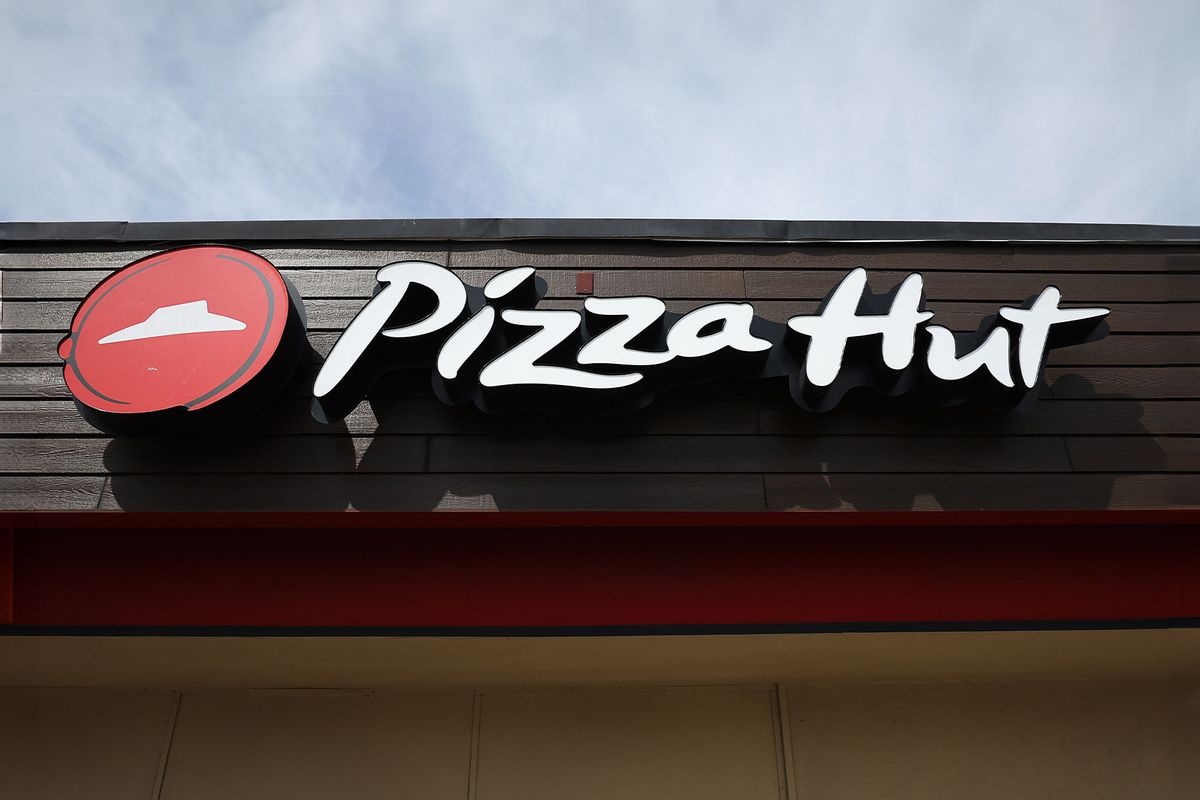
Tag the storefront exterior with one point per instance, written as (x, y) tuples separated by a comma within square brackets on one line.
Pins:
[(815, 548)]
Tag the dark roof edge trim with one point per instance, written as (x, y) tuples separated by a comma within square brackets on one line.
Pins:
[(670, 229)]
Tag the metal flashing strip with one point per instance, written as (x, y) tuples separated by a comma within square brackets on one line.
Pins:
[(502, 229), (590, 631)]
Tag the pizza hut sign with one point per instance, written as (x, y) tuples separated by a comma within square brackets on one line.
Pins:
[(204, 332)]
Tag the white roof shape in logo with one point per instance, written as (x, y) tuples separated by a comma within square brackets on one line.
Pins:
[(193, 317)]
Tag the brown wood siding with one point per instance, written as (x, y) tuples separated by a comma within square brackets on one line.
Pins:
[(1118, 425)]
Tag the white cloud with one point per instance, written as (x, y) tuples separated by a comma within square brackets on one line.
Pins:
[(1084, 111)]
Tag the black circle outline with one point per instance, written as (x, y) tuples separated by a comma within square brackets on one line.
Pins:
[(159, 258)]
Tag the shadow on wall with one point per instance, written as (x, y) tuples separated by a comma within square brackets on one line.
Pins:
[(717, 447)]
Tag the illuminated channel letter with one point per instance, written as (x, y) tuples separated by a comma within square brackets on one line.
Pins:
[(946, 364), (368, 324), (513, 285), (1036, 322), (686, 340), (839, 321), (612, 345), (517, 366)]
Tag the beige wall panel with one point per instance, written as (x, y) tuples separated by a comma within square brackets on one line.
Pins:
[(293, 746), (64, 743), (625, 745), (457, 663), (1087, 740)]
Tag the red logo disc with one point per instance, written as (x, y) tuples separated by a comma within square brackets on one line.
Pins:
[(181, 329)]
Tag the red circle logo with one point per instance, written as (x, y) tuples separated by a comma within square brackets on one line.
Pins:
[(186, 328)]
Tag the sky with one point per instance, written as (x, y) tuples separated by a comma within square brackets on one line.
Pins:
[(1024, 110)]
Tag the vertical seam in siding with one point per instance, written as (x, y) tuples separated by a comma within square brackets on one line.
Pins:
[(161, 776), (784, 727), (473, 759), (1062, 440)]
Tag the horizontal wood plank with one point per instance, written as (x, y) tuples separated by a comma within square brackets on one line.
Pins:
[(417, 416), (1106, 257), (1000, 287), (27, 284), (1081, 383), (46, 381), (1129, 349), (956, 492), (745, 454), (50, 492), (336, 314), (886, 416), (1135, 454), (771, 416), (210, 454), (30, 348), (647, 453), (367, 492), (1065, 383), (361, 255), (1116, 349), (996, 287), (949, 492), (908, 257), (29, 382)]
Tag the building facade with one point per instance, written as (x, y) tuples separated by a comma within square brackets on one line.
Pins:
[(735, 576)]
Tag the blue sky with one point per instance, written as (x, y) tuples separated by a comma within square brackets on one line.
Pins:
[(1083, 111)]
